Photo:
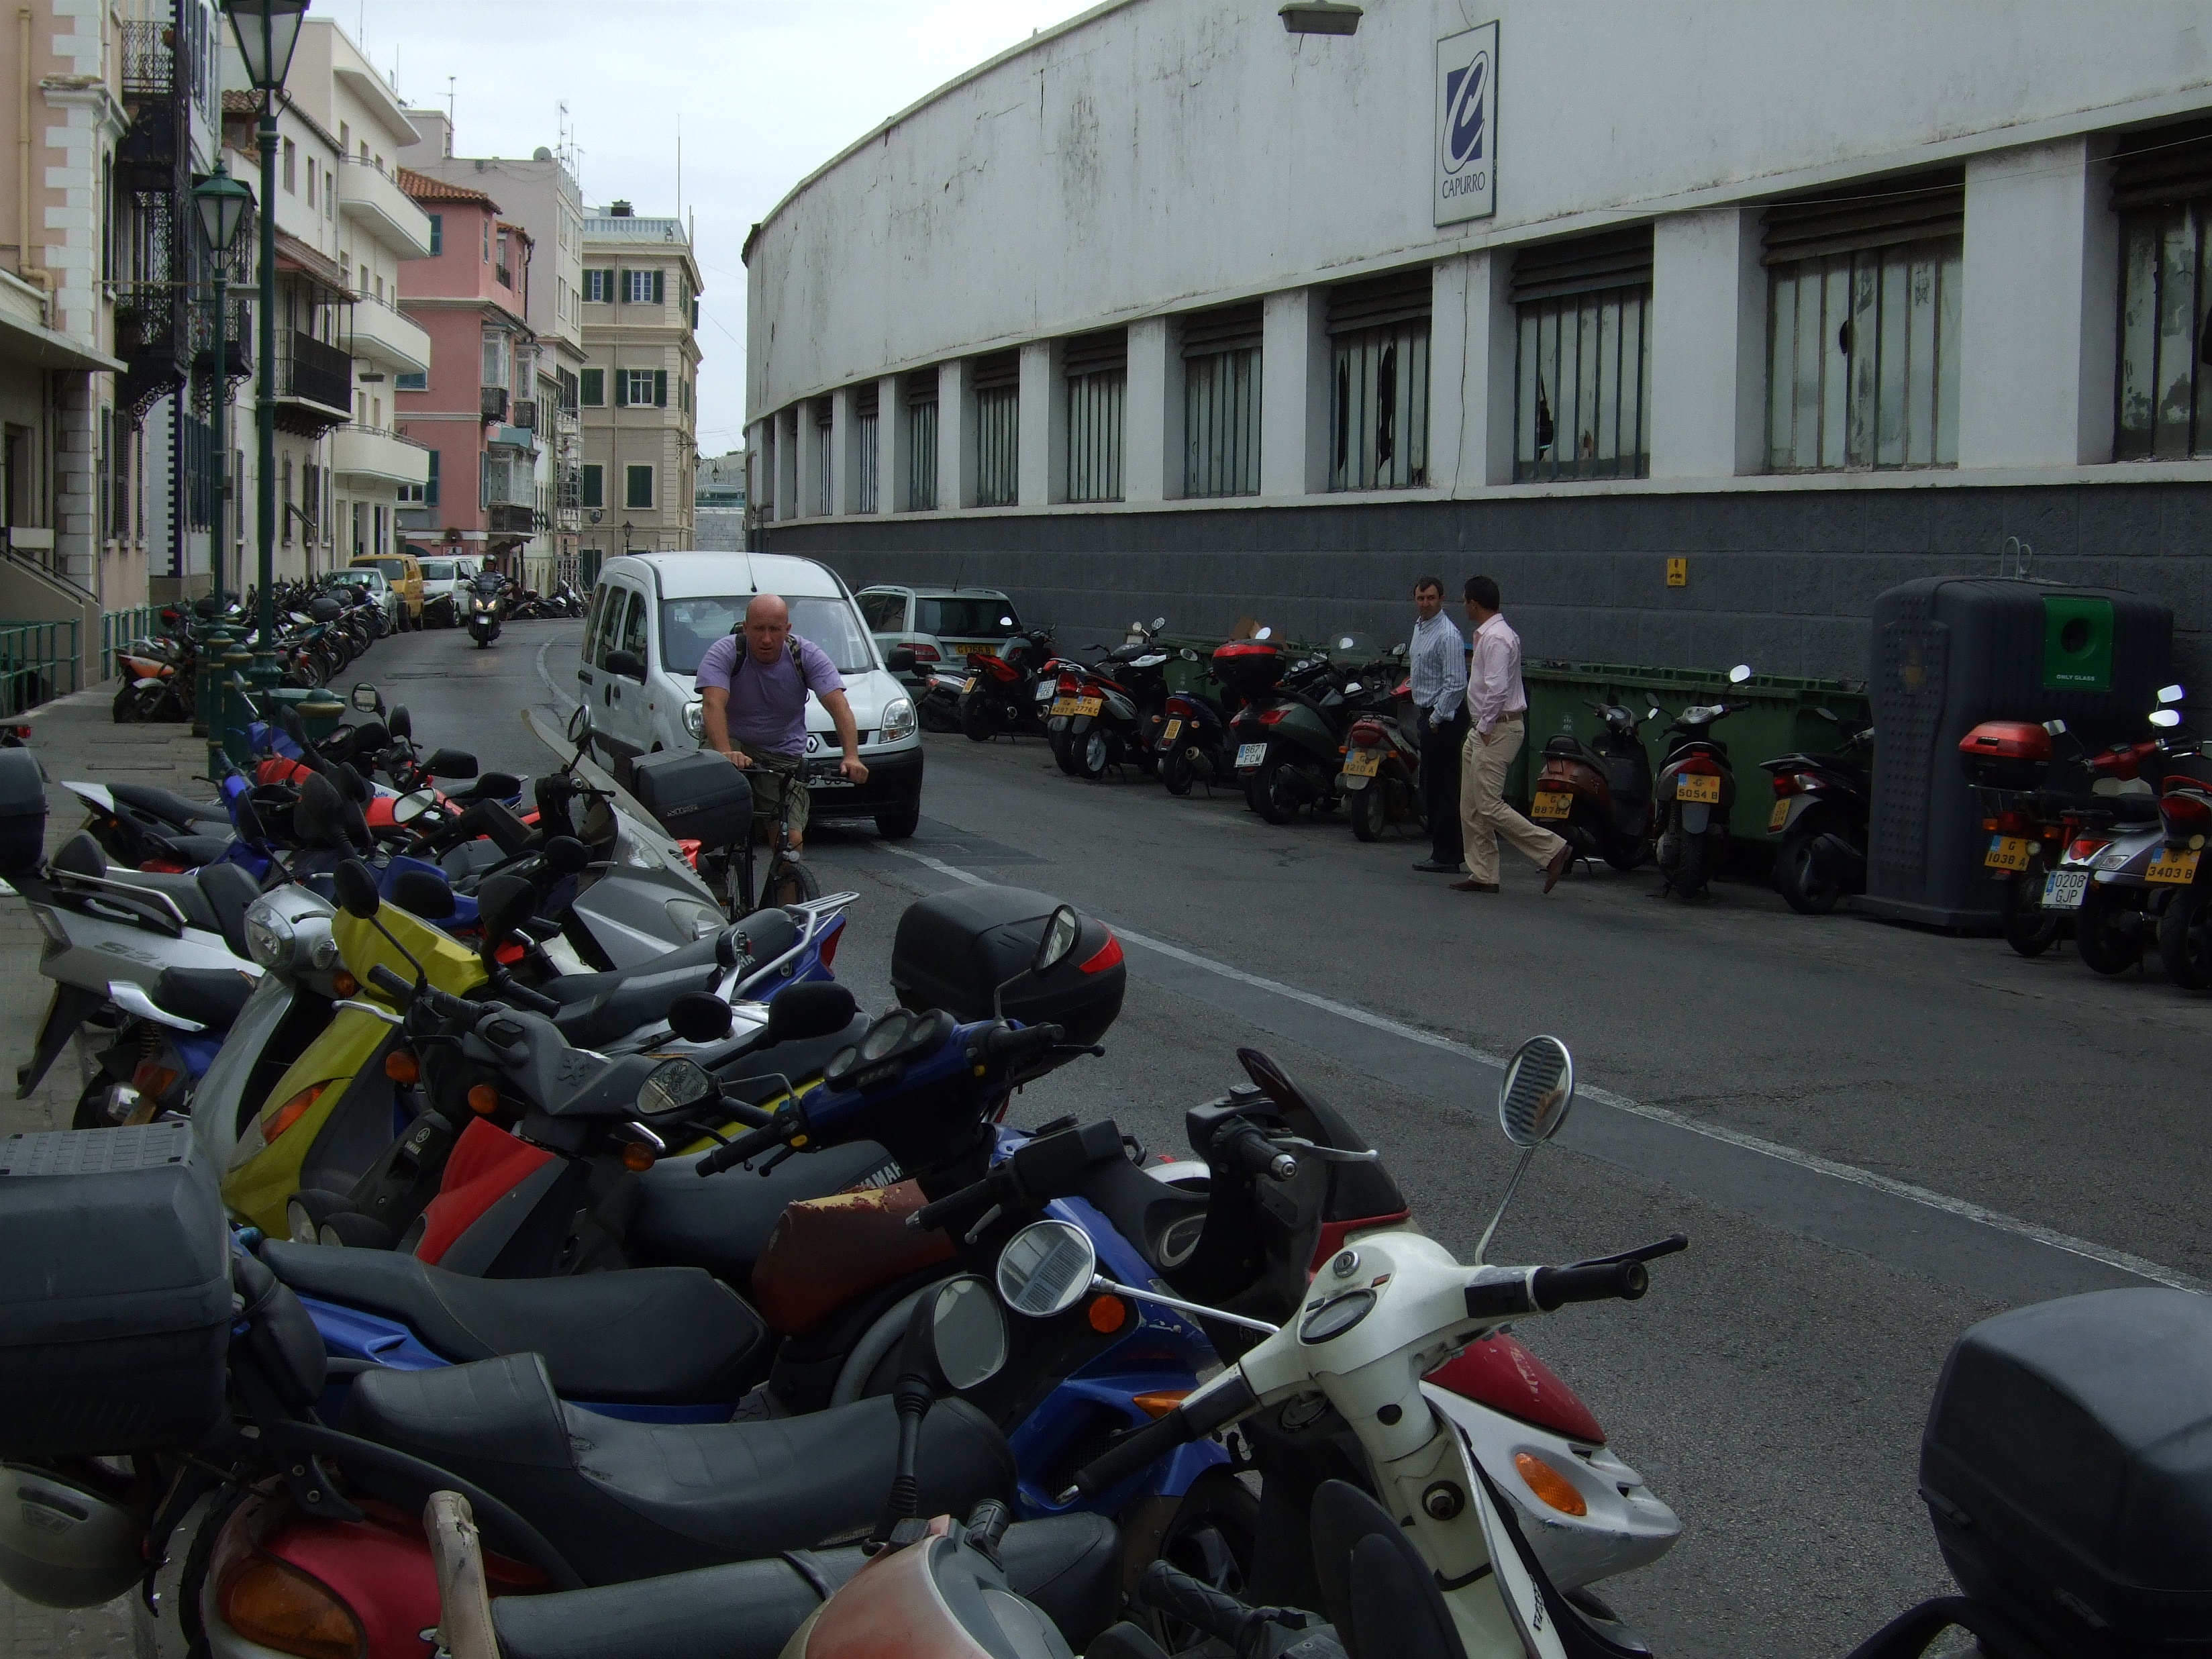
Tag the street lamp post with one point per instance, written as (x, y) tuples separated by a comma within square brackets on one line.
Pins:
[(267, 31), (221, 201)]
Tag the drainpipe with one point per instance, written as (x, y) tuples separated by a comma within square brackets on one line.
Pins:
[(37, 276)]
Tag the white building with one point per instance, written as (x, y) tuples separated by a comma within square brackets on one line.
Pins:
[(1167, 307)]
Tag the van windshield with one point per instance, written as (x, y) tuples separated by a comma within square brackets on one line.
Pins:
[(688, 627), (438, 570), (393, 569)]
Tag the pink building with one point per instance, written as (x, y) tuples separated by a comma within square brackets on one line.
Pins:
[(472, 296)]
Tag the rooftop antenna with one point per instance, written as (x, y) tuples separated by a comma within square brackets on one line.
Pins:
[(449, 115), (680, 163)]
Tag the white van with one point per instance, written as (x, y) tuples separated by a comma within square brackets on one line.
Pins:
[(665, 609)]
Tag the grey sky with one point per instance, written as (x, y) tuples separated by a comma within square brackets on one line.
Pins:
[(766, 90)]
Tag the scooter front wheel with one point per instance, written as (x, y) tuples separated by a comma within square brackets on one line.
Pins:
[(1695, 870), (1803, 886), (976, 723), (1176, 770)]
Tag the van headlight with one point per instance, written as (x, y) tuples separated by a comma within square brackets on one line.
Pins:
[(898, 721), (694, 719)]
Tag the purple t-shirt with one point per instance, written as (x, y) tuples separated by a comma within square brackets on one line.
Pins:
[(767, 711)]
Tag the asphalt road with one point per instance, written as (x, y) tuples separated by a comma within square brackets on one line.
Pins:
[(1873, 1135)]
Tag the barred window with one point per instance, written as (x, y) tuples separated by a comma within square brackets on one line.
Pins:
[(1221, 401), (998, 429), (864, 421), (825, 453), (922, 443), (2162, 192), (1582, 405), (1097, 372), (1379, 417)]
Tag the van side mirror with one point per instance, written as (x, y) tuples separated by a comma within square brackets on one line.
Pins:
[(627, 664), (899, 660)]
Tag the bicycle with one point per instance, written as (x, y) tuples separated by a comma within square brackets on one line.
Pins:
[(787, 880)]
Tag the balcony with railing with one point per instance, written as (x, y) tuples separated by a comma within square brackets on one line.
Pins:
[(149, 62), (388, 339), (314, 385), (367, 452), (373, 198)]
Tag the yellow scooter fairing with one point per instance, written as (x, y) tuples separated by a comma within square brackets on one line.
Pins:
[(330, 1115)]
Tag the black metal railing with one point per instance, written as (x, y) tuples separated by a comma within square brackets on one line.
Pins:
[(493, 403), (318, 373), (150, 64)]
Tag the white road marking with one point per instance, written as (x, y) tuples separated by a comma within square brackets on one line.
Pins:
[(1812, 1162)]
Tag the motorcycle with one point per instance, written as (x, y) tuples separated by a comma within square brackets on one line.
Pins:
[(1598, 794), (998, 693), (1291, 735), (1692, 795), (487, 607), (1192, 745), (1821, 804), (1092, 721), (2184, 931), (1382, 775)]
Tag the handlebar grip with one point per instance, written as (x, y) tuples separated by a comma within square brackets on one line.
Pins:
[(1597, 1281), (389, 981), (1007, 1044), (1217, 1406), (522, 996), (1182, 1596), (749, 1145), (952, 1209), (1253, 1152)]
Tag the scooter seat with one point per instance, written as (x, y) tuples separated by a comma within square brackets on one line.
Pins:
[(599, 1008), (1068, 1565), (723, 1224), (167, 806), (653, 1335), (214, 997), (623, 1500), (213, 898)]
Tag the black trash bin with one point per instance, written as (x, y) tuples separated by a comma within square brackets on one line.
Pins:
[(1949, 653)]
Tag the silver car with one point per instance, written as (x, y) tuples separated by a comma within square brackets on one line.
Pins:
[(939, 625)]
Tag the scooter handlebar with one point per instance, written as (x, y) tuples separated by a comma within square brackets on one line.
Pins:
[(751, 1144), (1215, 1408), (1596, 1281), (1180, 1597), (1255, 1154)]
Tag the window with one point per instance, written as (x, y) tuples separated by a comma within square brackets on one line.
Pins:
[(643, 287), (1379, 415), (423, 494), (964, 618), (633, 631), (640, 387), (1221, 401), (864, 439), (311, 495), (407, 382), (592, 385), (1863, 329), (595, 487), (1097, 370), (1581, 399), (824, 452), (494, 360), (998, 429), (922, 443), (484, 225), (884, 613), (310, 181), (637, 486), (290, 163), (437, 234), (598, 286), (2162, 192), (284, 504)]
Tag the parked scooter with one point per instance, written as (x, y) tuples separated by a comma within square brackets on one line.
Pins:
[(1598, 794), (1821, 804), (1692, 796), (1382, 775), (1194, 742), (1291, 737), (2185, 932), (1000, 692)]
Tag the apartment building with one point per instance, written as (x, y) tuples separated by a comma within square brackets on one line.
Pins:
[(541, 195), (641, 310)]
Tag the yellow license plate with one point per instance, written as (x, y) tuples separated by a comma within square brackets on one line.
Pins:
[(1064, 706), (973, 651), (1362, 762), (1168, 731), (970, 686), (2179, 868), (1779, 816), (1087, 705), (2007, 853), (1553, 804), (1697, 787)]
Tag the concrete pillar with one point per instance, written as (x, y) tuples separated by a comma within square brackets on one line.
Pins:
[(77, 462), (844, 452), (956, 433), (1294, 386), (1041, 465), (808, 458), (1708, 345), (2041, 268), (893, 444), (787, 504), (1153, 435), (1472, 342)]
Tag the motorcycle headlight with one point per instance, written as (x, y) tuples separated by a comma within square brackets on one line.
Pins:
[(898, 721), (694, 719), (268, 934)]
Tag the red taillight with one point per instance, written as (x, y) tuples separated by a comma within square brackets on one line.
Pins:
[(1270, 716), (829, 945), (2085, 846), (927, 653), (1367, 733), (1704, 765), (2186, 806), (1785, 783), (1182, 709), (1107, 955)]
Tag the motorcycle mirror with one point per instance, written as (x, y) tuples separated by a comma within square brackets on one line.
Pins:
[(1829, 715), (580, 724), (1046, 1269), (1061, 931), (899, 661), (2056, 728), (293, 727), (451, 763), (366, 700), (1158, 622), (369, 737), (410, 807), (2170, 694), (421, 894), (699, 1017), (317, 818), (1263, 633), (967, 1333), (674, 1085), (354, 888), (1189, 655), (1354, 688), (803, 1011), (2165, 717), (565, 855), (1532, 1107), (399, 723), (503, 903), (1740, 674)]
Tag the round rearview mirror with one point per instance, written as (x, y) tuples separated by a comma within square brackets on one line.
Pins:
[(1538, 1087), (580, 723), (410, 807), (674, 1085), (2165, 717), (1264, 634), (365, 700), (699, 1017), (2056, 728), (1189, 655), (968, 1330), (2171, 693), (1045, 1268), (1061, 931), (1738, 674), (399, 723), (1158, 622)]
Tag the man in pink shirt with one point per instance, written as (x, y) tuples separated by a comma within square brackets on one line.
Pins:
[(1498, 707)]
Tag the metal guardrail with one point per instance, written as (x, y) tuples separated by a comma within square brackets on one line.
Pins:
[(119, 629), (38, 663)]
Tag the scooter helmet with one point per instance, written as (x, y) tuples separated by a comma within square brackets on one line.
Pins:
[(64, 1545)]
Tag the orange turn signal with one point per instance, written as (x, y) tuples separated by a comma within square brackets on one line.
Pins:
[(292, 1111), (1160, 1402), (272, 1603), (344, 983), (637, 1156), (1107, 1314), (152, 1079), (484, 1099), (401, 1066), (1548, 1484)]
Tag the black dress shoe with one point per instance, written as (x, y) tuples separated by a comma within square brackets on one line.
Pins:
[(1430, 866)]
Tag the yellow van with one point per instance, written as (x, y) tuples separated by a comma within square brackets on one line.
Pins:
[(403, 573)]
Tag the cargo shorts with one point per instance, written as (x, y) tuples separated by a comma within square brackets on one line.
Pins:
[(774, 777)]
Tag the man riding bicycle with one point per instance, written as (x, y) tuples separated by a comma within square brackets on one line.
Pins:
[(752, 693)]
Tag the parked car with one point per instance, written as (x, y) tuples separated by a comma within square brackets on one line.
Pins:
[(938, 624), (443, 576), (367, 577), (404, 576), (665, 609)]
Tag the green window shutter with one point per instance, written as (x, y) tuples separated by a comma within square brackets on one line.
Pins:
[(660, 388), (594, 489), (622, 388), (659, 287), (430, 490), (593, 388), (621, 283)]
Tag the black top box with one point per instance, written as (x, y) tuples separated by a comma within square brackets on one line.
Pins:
[(955, 950), (22, 812), (115, 1294), (2067, 1466), (696, 795)]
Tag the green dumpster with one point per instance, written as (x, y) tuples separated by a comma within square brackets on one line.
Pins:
[(1783, 717)]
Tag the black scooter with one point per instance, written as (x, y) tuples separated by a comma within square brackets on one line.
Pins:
[(1696, 788), (487, 609), (1598, 794), (1000, 692), (1820, 811)]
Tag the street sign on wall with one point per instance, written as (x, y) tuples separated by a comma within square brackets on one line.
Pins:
[(1467, 125)]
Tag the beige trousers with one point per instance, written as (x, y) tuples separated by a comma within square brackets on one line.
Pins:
[(1483, 814)]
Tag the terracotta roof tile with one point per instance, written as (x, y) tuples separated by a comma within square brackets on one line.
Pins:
[(424, 188)]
